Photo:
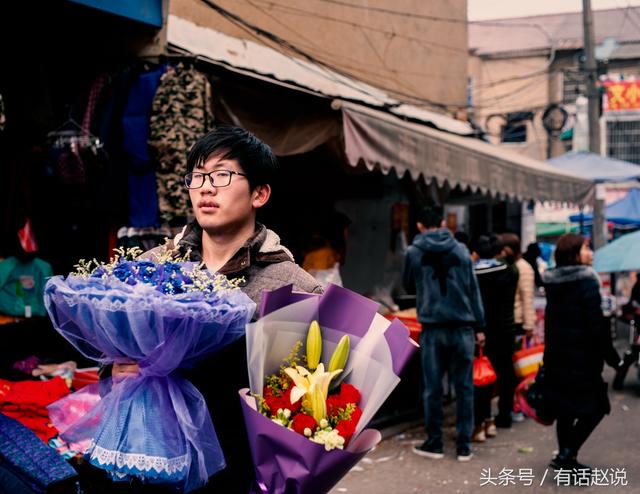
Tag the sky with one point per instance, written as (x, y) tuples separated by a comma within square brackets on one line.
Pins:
[(500, 9)]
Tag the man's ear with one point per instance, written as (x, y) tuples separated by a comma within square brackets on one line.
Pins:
[(421, 227), (260, 195)]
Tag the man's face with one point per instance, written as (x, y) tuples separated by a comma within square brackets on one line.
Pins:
[(223, 209)]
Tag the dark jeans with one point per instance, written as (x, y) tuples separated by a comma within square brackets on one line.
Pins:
[(448, 349), (499, 349), (573, 431)]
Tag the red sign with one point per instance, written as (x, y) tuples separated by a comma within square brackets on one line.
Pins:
[(622, 96)]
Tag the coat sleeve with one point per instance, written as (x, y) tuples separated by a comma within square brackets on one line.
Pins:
[(526, 286), (408, 273), (475, 297), (598, 324)]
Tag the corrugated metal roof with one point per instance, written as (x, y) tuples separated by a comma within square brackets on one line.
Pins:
[(564, 30), (255, 58)]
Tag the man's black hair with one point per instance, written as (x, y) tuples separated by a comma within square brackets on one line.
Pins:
[(431, 217), (255, 158), (487, 246)]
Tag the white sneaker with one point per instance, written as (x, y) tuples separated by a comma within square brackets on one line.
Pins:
[(465, 456)]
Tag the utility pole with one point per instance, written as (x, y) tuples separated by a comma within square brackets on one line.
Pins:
[(593, 96)]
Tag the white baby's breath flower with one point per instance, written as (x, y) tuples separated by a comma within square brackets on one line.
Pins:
[(329, 438), (324, 424), (287, 413), (307, 432)]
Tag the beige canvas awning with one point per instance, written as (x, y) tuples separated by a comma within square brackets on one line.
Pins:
[(383, 141)]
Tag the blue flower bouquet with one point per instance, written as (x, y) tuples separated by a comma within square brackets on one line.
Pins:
[(164, 315)]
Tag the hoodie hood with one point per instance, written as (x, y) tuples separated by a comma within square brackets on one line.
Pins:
[(440, 241), (567, 274)]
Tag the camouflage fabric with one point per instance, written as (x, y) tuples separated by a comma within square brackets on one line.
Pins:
[(181, 114)]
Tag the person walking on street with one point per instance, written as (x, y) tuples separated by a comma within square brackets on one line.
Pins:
[(523, 311), (439, 270), (577, 344), (498, 280)]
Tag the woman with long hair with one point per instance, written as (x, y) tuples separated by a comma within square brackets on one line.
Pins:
[(577, 343)]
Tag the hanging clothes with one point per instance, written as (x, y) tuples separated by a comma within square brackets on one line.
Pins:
[(143, 198), (22, 285), (181, 115), (143, 238), (106, 122)]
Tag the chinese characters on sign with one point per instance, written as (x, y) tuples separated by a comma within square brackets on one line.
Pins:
[(564, 478), (622, 96)]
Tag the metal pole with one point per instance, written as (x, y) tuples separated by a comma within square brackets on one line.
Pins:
[(591, 77)]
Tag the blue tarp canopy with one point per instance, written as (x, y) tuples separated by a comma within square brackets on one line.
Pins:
[(145, 11), (619, 255), (595, 167), (625, 211)]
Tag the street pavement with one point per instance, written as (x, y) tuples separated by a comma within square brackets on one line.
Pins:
[(515, 461)]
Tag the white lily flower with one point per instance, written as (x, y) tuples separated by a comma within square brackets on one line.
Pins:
[(315, 386)]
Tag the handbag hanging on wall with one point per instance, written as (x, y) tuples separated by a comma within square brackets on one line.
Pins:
[(483, 372)]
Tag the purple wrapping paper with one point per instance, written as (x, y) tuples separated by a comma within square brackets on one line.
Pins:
[(288, 463), (350, 313)]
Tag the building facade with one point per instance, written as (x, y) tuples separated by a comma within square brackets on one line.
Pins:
[(526, 75), (415, 51)]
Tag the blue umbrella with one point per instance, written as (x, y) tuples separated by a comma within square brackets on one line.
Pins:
[(623, 254)]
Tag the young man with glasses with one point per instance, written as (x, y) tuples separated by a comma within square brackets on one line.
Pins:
[(229, 176)]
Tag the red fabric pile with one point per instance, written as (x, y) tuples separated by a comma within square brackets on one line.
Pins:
[(26, 402)]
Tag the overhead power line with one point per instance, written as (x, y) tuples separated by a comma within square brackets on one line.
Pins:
[(245, 25), (423, 42), (428, 44)]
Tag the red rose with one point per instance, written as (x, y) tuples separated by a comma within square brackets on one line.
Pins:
[(346, 428), (355, 415), (349, 394), (334, 403), (301, 421), (275, 401)]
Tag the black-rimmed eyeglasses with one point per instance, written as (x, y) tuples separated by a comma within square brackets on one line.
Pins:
[(217, 178)]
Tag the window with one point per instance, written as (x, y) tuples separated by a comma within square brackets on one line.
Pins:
[(623, 139), (515, 128), (572, 85)]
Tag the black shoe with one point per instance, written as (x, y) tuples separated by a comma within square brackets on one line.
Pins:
[(564, 460), (464, 453), (559, 463), (427, 450)]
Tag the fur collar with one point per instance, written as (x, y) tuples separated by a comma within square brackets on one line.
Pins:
[(567, 274)]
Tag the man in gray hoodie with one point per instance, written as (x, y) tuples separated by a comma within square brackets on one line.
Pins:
[(440, 271)]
